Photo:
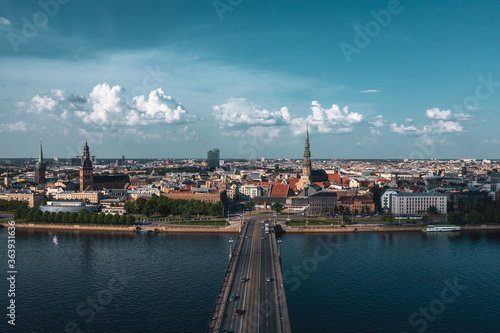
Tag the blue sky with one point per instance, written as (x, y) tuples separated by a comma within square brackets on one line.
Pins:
[(169, 79)]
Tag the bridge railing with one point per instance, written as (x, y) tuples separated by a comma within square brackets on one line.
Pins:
[(282, 309), (217, 314)]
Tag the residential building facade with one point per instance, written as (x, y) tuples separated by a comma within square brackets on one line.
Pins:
[(418, 203)]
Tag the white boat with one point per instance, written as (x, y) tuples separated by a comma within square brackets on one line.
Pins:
[(231, 240), (447, 227), (146, 230), (54, 239)]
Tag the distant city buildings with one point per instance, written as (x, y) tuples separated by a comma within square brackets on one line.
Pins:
[(319, 187), (213, 158), (32, 198)]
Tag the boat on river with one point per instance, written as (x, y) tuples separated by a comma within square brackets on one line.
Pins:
[(439, 228)]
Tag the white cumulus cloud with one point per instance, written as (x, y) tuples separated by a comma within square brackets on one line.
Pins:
[(239, 116), (434, 128), (20, 126), (160, 108), (4, 21), (238, 113), (436, 113), (332, 120)]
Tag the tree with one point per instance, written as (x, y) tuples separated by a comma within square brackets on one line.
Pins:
[(130, 219), (432, 210), (390, 218), (123, 219), (475, 217), (277, 207), (101, 217), (377, 191), (115, 219), (149, 208), (140, 203), (30, 215), (108, 219), (425, 218), (456, 217), (336, 209), (490, 214), (71, 217), (346, 219), (249, 205), (129, 207), (21, 212), (341, 209), (52, 216), (45, 217), (59, 217)]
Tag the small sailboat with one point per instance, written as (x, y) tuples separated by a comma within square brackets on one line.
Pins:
[(231, 240), (54, 239)]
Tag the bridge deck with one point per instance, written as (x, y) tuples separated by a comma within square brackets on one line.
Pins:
[(262, 302)]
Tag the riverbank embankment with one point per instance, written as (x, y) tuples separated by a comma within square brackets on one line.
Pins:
[(123, 228), (351, 229)]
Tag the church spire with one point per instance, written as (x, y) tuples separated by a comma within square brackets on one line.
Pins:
[(305, 179), (307, 153), (40, 156)]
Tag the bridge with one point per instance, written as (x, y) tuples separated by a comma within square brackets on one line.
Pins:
[(255, 279)]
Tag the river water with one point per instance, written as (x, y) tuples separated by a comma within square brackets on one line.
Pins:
[(364, 282)]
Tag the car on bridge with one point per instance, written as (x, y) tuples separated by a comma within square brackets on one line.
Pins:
[(238, 312), (243, 279), (268, 279), (232, 297)]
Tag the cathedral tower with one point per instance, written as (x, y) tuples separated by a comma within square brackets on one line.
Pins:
[(40, 167), (86, 170)]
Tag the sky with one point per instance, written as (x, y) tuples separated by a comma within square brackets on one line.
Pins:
[(173, 79)]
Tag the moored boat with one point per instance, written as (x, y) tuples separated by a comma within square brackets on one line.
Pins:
[(444, 227)]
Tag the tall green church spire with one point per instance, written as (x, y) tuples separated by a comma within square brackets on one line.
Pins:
[(40, 157)]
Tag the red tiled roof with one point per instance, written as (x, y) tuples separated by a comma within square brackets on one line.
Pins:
[(293, 183), (279, 190), (334, 177), (261, 184)]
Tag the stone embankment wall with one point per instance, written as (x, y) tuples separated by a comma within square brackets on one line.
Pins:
[(116, 228), (375, 229)]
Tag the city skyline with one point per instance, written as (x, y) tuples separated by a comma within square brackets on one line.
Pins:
[(390, 79)]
